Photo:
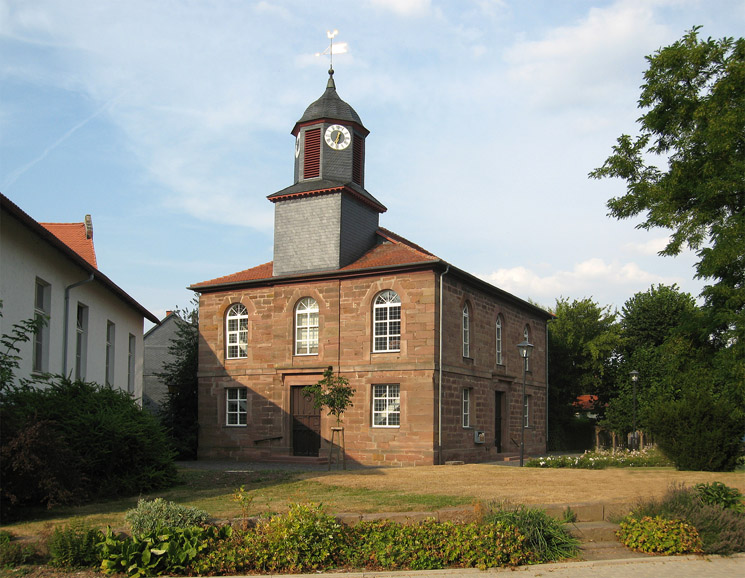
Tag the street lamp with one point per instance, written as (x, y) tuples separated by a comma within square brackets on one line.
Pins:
[(524, 348), (634, 378)]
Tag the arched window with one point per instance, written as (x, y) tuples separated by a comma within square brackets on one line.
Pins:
[(387, 322), (236, 331), (499, 340), (526, 337), (306, 327), (466, 332)]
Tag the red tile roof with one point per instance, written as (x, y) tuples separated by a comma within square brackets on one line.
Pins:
[(75, 236), (392, 251)]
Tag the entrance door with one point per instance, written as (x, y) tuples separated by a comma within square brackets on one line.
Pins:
[(306, 424), (498, 395)]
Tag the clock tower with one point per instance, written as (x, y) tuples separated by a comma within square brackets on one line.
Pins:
[(326, 219)]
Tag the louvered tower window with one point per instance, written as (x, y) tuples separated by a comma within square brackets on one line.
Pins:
[(312, 156), (358, 152)]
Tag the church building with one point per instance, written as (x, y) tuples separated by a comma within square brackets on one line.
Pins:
[(430, 349)]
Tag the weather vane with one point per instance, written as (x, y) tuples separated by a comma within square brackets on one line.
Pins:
[(340, 48)]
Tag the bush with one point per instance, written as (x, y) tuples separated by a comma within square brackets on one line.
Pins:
[(722, 531), (545, 536), (163, 551), (75, 546), (659, 536), (13, 553), (718, 494), (66, 442), (699, 432), (150, 516)]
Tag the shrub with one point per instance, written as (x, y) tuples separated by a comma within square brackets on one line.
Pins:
[(14, 553), (718, 494), (162, 551), (305, 538), (71, 441), (150, 516), (699, 432), (722, 531), (75, 546), (545, 536), (659, 536)]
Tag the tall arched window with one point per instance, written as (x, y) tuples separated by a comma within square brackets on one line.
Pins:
[(466, 332), (499, 340), (526, 337), (306, 327), (236, 331), (387, 322)]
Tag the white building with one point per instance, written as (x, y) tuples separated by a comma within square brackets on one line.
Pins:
[(94, 329)]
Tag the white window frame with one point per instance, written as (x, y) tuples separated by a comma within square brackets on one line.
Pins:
[(387, 322), (306, 326), (131, 360), (236, 332), (466, 331), (466, 407), (498, 335), (81, 342), (526, 412), (526, 337), (236, 407), (386, 405), (42, 308), (110, 352)]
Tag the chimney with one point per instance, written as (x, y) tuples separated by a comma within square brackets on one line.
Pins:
[(88, 227)]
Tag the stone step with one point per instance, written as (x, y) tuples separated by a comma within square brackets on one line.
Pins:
[(598, 541)]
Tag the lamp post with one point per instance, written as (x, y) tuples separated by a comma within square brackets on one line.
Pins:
[(634, 378), (524, 348)]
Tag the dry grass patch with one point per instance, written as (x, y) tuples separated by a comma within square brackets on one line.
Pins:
[(484, 482)]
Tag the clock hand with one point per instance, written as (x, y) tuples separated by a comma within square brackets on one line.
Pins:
[(338, 136)]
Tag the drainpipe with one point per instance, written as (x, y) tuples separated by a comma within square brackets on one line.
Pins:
[(67, 320), (547, 384), (439, 393)]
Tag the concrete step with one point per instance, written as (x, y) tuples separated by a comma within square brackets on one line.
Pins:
[(297, 459), (598, 541)]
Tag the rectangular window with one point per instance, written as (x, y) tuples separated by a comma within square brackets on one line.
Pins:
[(466, 408), (526, 412), (131, 358), (312, 154), (42, 307), (81, 342), (110, 343), (499, 341), (386, 405), (236, 400), (466, 332)]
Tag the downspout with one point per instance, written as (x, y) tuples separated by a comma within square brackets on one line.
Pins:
[(546, 387), (439, 393), (67, 320)]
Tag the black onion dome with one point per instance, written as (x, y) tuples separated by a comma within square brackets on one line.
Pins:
[(330, 106)]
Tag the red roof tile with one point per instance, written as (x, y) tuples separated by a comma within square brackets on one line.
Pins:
[(394, 251), (74, 235)]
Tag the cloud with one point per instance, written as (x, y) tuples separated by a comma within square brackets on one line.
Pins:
[(404, 7), (589, 62), (651, 247), (608, 282)]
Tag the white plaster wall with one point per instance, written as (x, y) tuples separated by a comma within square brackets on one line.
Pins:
[(24, 257)]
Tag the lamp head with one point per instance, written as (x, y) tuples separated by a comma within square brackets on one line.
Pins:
[(634, 375), (525, 348)]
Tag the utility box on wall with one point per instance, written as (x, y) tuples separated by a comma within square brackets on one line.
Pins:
[(479, 437)]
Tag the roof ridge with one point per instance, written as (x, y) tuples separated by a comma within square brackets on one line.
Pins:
[(396, 238)]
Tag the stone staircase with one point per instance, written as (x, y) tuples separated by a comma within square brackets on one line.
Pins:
[(598, 541)]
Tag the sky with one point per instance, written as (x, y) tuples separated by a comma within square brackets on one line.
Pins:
[(169, 122)]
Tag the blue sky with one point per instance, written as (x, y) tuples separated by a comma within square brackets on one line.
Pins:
[(169, 122)]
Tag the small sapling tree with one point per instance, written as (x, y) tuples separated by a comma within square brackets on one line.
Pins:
[(332, 392)]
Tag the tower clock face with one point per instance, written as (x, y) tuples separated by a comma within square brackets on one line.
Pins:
[(338, 137)]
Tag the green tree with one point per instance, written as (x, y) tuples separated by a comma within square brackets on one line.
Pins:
[(179, 413), (694, 123), (583, 337), (332, 392)]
